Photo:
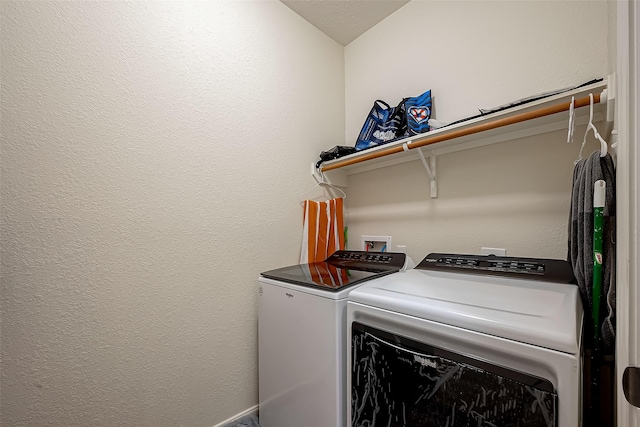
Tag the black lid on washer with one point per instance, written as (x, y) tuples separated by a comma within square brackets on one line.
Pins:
[(340, 270)]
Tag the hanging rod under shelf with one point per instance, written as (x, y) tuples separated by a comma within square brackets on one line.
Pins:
[(428, 139)]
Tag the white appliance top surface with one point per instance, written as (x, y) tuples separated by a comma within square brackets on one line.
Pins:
[(539, 313)]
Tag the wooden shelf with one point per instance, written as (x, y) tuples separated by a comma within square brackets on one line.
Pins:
[(535, 118)]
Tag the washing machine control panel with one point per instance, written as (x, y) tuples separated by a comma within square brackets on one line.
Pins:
[(548, 270), (365, 259)]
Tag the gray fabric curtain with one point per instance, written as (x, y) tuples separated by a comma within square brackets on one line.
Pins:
[(580, 254)]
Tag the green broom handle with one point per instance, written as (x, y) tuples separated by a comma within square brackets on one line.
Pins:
[(599, 191)]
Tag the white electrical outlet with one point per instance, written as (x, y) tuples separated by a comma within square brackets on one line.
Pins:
[(375, 243), (493, 251)]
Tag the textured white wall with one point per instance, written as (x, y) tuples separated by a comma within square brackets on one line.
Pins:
[(612, 11), (476, 54), (153, 158)]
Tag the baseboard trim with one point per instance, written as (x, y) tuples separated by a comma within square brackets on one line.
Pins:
[(251, 411)]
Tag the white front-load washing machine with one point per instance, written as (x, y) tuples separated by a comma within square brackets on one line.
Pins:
[(302, 336), (466, 340)]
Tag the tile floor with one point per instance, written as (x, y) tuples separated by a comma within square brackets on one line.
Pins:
[(248, 421)]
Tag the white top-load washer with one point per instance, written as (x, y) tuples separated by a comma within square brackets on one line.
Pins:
[(302, 336), (467, 340)]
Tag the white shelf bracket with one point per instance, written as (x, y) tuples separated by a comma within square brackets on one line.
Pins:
[(335, 177), (316, 174), (431, 170)]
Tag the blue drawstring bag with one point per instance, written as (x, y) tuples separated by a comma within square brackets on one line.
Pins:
[(383, 124), (418, 110)]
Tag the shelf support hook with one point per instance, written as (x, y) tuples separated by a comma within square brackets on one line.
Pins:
[(430, 168)]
